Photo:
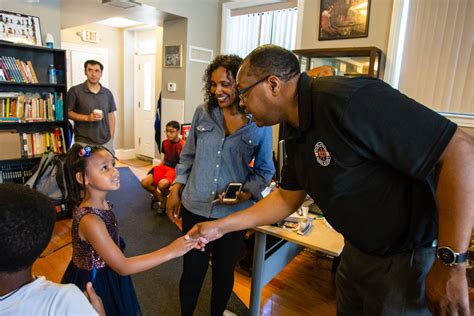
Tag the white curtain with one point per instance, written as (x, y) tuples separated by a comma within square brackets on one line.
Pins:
[(242, 36), (437, 66), (266, 27), (247, 32), (284, 30)]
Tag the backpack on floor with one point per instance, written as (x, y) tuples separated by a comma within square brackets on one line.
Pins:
[(49, 178)]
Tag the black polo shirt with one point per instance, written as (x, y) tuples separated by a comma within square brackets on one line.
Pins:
[(81, 100), (366, 154)]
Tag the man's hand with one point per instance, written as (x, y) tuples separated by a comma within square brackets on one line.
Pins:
[(446, 290), (94, 117), (206, 232), (95, 300)]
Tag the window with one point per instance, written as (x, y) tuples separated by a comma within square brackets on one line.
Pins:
[(246, 32), (437, 58)]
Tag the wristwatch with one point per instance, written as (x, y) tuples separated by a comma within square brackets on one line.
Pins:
[(449, 257)]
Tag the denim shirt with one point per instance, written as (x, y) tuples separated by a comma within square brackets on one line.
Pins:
[(210, 161)]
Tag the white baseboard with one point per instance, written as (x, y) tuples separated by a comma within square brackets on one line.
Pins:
[(156, 161), (124, 154)]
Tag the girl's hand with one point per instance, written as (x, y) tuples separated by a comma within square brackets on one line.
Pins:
[(182, 245), (241, 197), (173, 203)]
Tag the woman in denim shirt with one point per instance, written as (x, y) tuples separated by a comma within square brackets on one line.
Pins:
[(222, 143)]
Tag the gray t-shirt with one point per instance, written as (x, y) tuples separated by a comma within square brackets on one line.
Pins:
[(83, 101)]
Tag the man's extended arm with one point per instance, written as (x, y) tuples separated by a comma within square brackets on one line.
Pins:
[(276, 206), (446, 287)]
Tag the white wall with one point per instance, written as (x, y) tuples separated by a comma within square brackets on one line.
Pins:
[(199, 28), (47, 10)]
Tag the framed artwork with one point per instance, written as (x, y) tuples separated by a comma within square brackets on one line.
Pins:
[(341, 19), (20, 28), (173, 56), (185, 128)]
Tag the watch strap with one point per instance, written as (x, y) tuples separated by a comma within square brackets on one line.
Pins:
[(461, 257)]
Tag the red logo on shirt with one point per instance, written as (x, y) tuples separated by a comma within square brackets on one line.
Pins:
[(322, 154)]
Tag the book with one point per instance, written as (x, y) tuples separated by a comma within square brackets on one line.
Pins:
[(32, 70), (13, 68), (22, 71), (6, 65), (10, 119), (4, 69), (2, 75)]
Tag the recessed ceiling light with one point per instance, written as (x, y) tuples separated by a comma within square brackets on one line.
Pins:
[(118, 22)]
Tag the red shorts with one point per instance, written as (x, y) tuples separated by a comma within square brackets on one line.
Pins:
[(161, 171)]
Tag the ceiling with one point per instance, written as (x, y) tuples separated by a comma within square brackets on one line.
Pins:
[(75, 13)]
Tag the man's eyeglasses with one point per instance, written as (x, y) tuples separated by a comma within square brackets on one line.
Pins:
[(242, 92)]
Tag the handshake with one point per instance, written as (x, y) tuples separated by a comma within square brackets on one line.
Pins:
[(203, 233)]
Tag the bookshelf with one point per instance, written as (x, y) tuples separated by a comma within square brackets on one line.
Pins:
[(33, 117)]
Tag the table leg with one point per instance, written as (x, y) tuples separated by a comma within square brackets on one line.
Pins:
[(257, 273)]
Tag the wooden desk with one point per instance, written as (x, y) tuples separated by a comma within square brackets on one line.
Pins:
[(269, 262)]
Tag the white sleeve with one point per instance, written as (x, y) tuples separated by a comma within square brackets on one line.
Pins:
[(71, 301)]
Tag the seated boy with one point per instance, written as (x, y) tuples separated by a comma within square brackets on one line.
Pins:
[(27, 220), (160, 177)]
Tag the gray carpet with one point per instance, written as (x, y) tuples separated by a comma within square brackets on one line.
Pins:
[(144, 231)]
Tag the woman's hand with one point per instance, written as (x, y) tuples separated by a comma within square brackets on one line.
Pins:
[(173, 203), (241, 196)]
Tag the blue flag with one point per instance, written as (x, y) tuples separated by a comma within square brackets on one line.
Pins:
[(158, 123)]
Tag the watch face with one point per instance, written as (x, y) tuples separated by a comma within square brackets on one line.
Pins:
[(446, 256)]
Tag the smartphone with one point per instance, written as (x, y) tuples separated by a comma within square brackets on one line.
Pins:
[(231, 191)]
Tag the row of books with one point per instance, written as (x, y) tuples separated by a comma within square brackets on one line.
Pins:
[(29, 145), (28, 107), (17, 70), (14, 174)]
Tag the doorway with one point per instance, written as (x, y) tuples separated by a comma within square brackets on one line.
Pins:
[(144, 101)]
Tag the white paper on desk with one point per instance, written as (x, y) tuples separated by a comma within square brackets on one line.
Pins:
[(300, 215)]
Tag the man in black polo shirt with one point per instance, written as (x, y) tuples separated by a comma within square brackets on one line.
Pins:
[(91, 106), (392, 176)]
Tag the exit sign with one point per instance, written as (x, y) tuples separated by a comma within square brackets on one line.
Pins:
[(89, 36)]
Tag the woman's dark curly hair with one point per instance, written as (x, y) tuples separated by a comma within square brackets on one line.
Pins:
[(231, 63)]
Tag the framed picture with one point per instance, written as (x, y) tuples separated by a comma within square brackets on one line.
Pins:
[(20, 28), (173, 56), (185, 128), (341, 19)]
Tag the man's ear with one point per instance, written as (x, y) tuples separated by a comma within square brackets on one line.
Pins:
[(275, 84)]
